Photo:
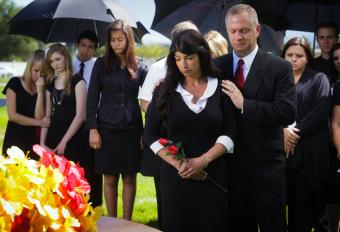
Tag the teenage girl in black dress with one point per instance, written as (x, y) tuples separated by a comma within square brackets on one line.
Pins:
[(65, 105), (25, 106)]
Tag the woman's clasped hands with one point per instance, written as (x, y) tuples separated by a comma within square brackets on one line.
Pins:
[(193, 168)]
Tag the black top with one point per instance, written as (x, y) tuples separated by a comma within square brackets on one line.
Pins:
[(197, 132), (313, 106), (63, 105), (336, 94), (22, 136), (116, 94), (63, 113), (323, 65), (25, 102)]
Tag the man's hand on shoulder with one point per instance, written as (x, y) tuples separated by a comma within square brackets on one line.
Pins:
[(234, 93)]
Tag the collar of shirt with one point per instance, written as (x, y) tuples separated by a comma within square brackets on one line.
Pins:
[(87, 68), (202, 101), (248, 60), (77, 62)]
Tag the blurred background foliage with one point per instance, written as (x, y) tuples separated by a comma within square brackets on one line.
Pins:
[(18, 48)]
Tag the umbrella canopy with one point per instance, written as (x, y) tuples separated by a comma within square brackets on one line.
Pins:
[(299, 15), (63, 20), (207, 15)]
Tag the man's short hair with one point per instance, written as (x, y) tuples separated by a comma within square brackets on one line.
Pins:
[(90, 35), (182, 26), (240, 8), (331, 25)]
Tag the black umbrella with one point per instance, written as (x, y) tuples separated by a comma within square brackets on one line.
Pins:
[(63, 20), (207, 15), (298, 15)]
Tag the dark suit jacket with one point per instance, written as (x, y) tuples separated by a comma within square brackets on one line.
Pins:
[(269, 105)]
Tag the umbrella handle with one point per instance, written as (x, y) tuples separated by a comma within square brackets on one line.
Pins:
[(109, 12)]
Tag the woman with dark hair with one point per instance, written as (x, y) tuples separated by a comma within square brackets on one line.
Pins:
[(65, 105), (333, 184), (307, 140), (200, 117), (114, 117), (25, 98)]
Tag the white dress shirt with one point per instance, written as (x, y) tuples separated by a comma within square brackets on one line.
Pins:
[(156, 74), (248, 60), (88, 66)]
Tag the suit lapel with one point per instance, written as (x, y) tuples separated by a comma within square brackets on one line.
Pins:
[(229, 75), (255, 76)]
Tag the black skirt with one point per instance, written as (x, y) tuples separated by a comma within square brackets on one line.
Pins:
[(74, 148), (120, 152)]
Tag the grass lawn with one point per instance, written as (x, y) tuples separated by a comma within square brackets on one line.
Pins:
[(145, 208)]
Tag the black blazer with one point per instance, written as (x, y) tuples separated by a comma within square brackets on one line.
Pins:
[(269, 105), (112, 97)]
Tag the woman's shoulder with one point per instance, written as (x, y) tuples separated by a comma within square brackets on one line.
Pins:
[(99, 62), (14, 84), (76, 79), (316, 76)]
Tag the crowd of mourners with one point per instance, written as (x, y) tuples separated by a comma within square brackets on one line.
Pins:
[(260, 132)]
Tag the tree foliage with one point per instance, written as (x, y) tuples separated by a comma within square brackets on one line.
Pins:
[(152, 51), (13, 47)]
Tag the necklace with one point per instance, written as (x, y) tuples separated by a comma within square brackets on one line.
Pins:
[(57, 100)]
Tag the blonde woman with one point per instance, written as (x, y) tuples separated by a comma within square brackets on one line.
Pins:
[(25, 106), (65, 105), (217, 43)]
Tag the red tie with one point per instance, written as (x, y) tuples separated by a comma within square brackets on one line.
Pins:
[(239, 78)]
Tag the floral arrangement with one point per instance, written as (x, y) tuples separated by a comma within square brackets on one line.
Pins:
[(46, 195), (175, 150)]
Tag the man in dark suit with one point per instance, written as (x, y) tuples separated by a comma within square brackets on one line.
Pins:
[(261, 87)]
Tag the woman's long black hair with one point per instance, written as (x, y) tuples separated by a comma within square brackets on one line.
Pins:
[(188, 42)]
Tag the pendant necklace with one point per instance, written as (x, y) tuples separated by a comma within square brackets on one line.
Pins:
[(56, 98)]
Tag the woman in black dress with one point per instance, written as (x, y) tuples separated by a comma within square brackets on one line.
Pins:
[(65, 105), (25, 106), (202, 118), (114, 117), (333, 185), (307, 140)]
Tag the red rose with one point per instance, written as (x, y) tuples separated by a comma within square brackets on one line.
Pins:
[(164, 142), (173, 150)]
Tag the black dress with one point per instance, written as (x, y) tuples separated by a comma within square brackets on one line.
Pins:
[(23, 137), (113, 109), (63, 112), (308, 167), (332, 188), (189, 205)]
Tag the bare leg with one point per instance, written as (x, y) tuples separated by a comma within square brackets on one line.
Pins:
[(129, 193), (333, 217), (111, 194)]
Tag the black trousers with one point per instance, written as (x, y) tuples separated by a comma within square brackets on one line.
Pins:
[(260, 207), (304, 204), (95, 180)]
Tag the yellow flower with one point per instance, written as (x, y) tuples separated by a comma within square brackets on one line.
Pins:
[(35, 191)]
